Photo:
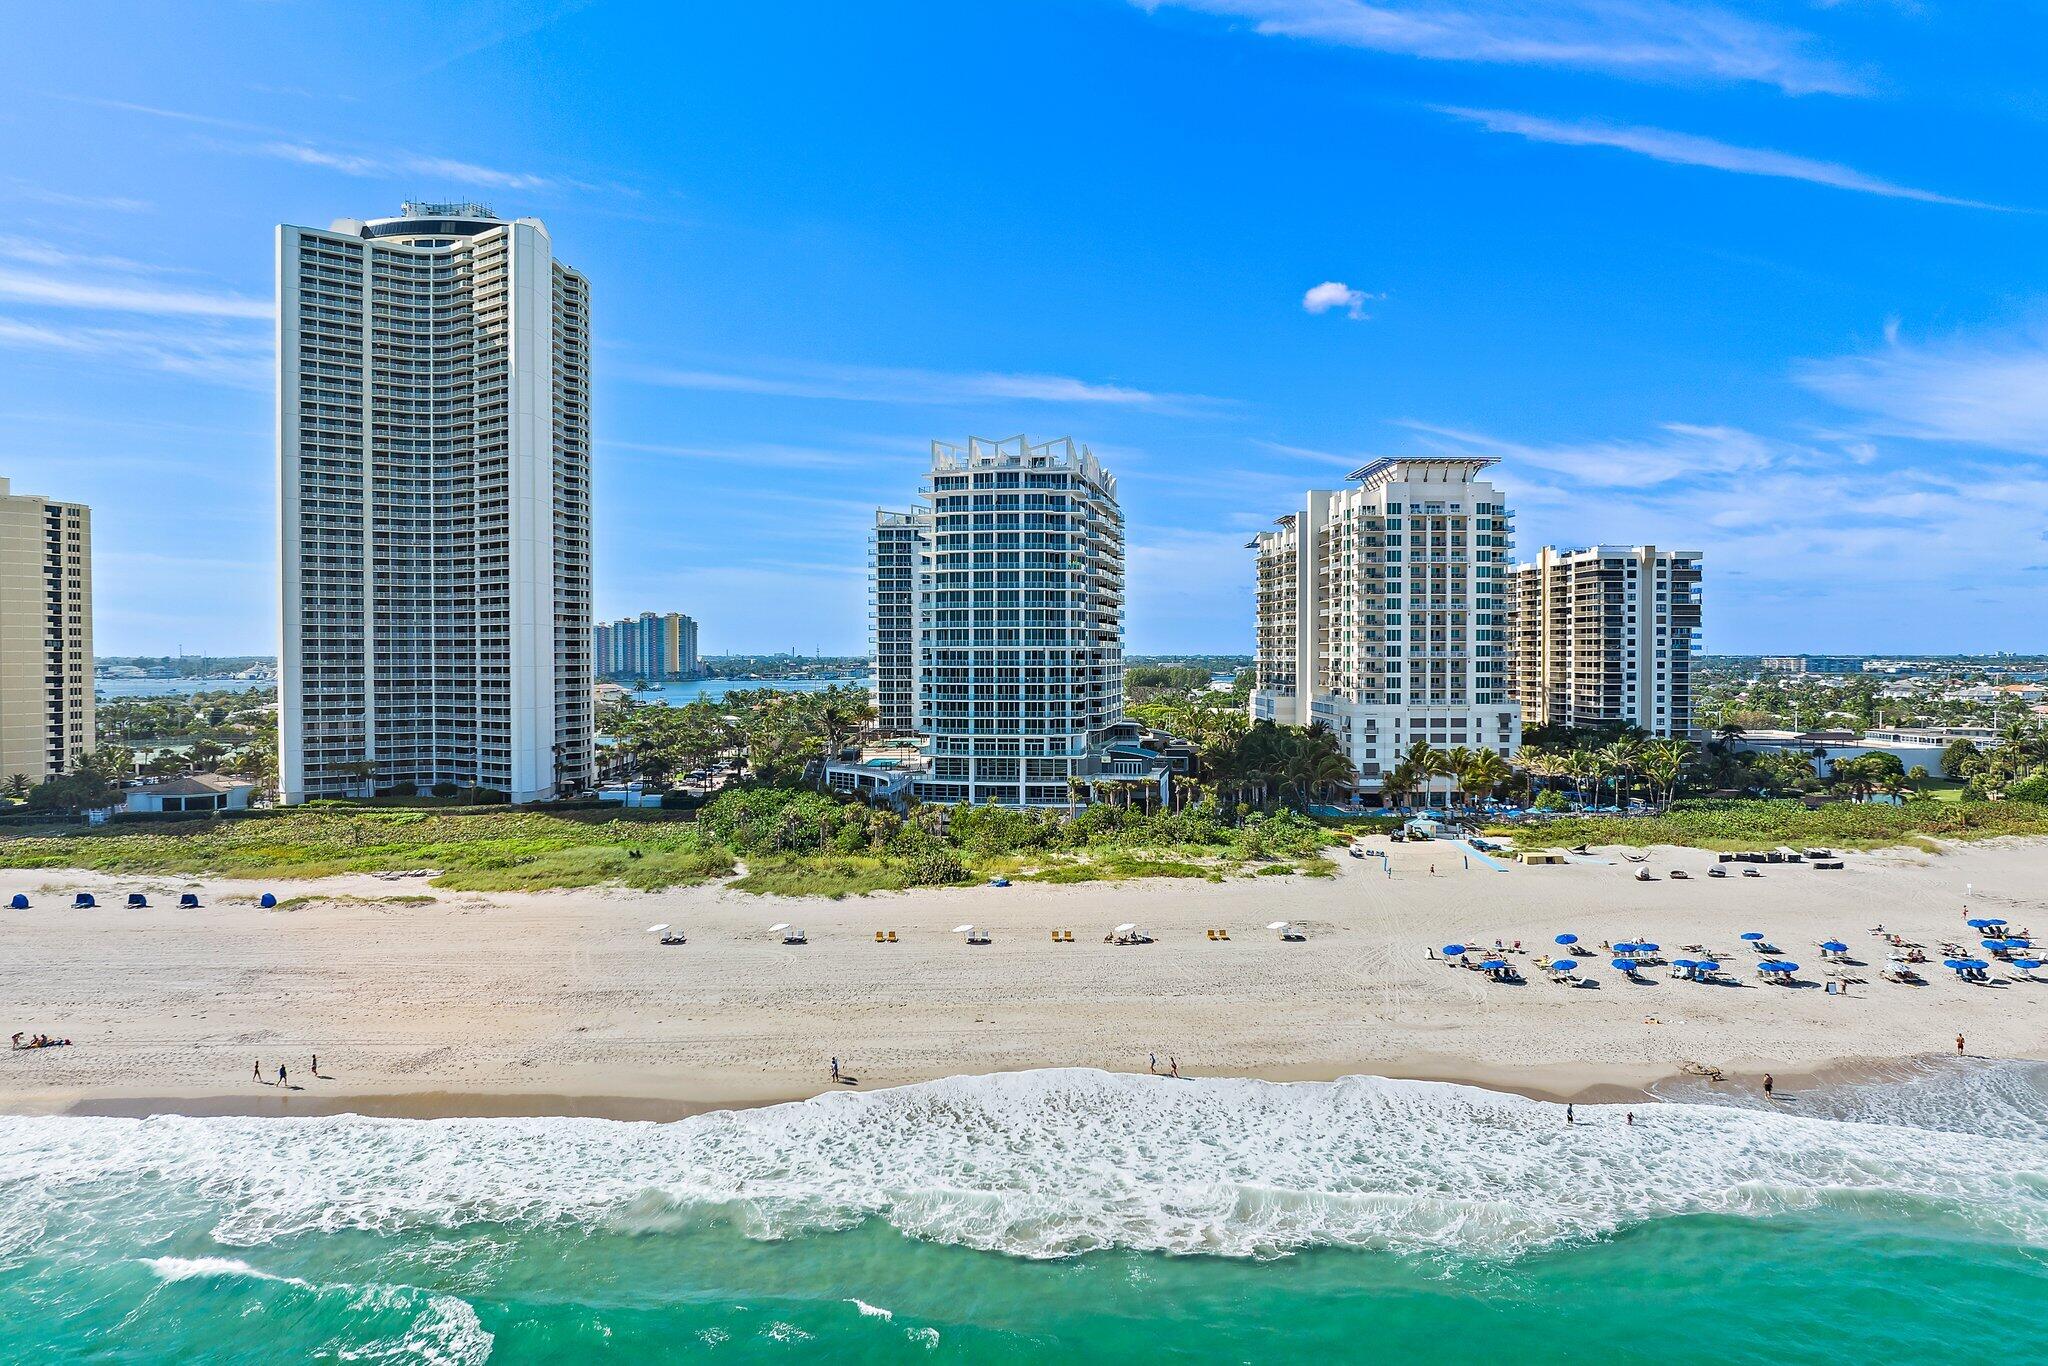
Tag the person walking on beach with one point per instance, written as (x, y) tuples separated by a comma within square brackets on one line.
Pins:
[(1173, 1064), (280, 1074), (1631, 1119), (1569, 1116), (256, 1073), (835, 1069), (1959, 1045), (1769, 1086), (1152, 1063), (316, 1064)]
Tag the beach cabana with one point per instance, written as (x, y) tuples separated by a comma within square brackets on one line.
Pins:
[(268, 901), (83, 902), (17, 902), (137, 901), (188, 901)]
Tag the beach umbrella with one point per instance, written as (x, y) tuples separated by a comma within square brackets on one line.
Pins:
[(1835, 946), (773, 928), (1975, 964), (656, 929), (1686, 963), (1995, 945), (1495, 964), (1988, 922), (1752, 936), (1624, 964), (1707, 965), (1277, 925), (1566, 939), (1647, 947), (963, 929), (1564, 965), (1453, 950), (2019, 943), (1626, 948), (1124, 928), (1777, 965), (1958, 964), (2026, 964)]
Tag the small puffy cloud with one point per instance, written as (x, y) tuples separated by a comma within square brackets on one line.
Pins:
[(1336, 294)]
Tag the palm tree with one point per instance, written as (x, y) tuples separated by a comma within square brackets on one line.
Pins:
[(1583, 766), (1484, 774), (1417, 767), (1618, 761), (1661, 761)]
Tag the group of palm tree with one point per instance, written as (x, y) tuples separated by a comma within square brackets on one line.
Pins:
[(1625, 760), (1477, 773)]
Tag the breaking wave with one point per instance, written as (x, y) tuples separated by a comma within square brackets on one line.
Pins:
[(1055, 1163)]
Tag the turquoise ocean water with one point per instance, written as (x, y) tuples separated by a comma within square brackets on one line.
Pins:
[(1053, 1215)]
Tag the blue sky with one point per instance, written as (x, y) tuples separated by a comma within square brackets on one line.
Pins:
[(1764, 280)]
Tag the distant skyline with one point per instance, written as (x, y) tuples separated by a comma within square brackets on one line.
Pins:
[(1762, 280)]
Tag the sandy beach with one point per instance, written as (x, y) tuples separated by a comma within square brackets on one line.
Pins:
[(561, 1003)]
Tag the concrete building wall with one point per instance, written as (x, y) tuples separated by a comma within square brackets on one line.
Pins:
[(1604, 636), (434, 506), (46, 698), (1381, 613)]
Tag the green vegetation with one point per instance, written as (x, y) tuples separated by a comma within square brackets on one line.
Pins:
[(1753, 824), (795, 842)]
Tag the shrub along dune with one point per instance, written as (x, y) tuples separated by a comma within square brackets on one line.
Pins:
[(794, 842), (1747, 824)]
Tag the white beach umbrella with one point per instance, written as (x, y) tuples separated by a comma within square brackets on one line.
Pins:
[(773, 928), (962, 929), (1124, 929), (1277, 925), (656, 929)]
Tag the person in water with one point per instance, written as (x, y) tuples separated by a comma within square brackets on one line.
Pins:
[(1569, 1116)]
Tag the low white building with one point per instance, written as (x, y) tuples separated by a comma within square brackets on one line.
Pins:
[(193, 792)]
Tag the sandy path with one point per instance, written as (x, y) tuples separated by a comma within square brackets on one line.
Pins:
[(564, 994)]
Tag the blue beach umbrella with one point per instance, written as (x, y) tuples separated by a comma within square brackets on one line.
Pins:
[(1564, 965), (1566, 939), (2026, 964), (1835, 946), (2019, 943), (1627, 948), (1958, 964), (1685, 963), (1779, 965), (1495, 964), (1453, 950), (1625, 964), (1975, 964), (1647, 947), (1707, 965), (1752, 936), (1995, 945)]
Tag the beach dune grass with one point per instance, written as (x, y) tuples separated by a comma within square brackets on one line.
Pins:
[(1747, 824)]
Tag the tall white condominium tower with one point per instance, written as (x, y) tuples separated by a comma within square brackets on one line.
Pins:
[(899, 559), (46, 713), (1011, 592), (1605, 635), (1381, 613), (433, 447)]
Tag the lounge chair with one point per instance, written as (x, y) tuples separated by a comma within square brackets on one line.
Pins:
[(1223, 935), (979, 937), (674, 937), (892, 936), (1212, 934), (1751, 872), (794, 936), (878, 937)]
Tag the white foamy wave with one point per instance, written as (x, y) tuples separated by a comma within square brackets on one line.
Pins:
[(872, 1311), (210, 1268), (1044, 1164)]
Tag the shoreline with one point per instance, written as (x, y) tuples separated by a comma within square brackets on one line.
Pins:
[(1574, 1083)]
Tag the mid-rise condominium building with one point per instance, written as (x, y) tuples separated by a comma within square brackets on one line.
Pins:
[(434, 503), (1604, 636), (1812, 664), (997, 622), (653, 645), (1381, 614), (46, 712)]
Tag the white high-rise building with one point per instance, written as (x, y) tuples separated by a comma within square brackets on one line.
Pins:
[(46, 701), (1604, 636), (433, 443), (998, 625), (1381, 613)]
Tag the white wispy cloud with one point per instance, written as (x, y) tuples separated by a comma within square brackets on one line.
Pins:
[(1687, 149), (1333, 294), (887, 384), (1645, 39), (1679, 451), (123, 296), (233, 356), (402, 165), (1987, 391), (64, 199)]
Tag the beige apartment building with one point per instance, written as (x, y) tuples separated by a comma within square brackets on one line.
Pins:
[(46, 711), (1380, 613), (1604, 636)]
